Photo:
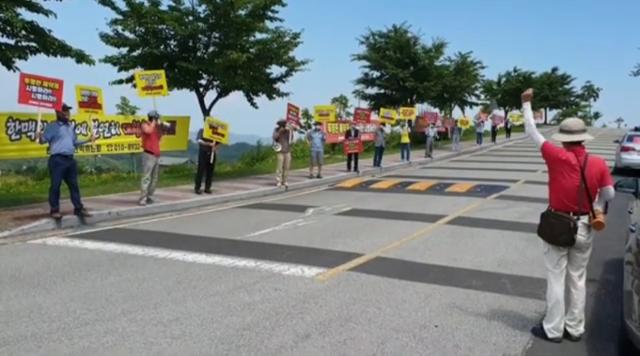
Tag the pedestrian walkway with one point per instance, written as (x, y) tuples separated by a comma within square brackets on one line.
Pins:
[(182, 197)]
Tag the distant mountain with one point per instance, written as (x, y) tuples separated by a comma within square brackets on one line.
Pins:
[(238, 138)]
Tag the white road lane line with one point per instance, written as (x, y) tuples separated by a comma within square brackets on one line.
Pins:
[(283, 226), (286, 269)]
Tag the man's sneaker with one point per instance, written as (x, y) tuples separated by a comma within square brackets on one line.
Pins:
[(208, 191), (198, 191), (150, 201), (567, 335), (142, 202), (319, 176), (538, 331), (310, 176), (55, 215), (83, 213)]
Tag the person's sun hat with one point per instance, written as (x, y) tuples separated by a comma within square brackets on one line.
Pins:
[(572, 130)]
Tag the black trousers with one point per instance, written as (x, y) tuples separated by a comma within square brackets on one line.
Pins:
[(352, 157), (205, 169)]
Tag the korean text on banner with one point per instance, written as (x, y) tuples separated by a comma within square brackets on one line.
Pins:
[(89, 100), (408, 113), (362, 116), (324, 113), (43, 92), (353, 145), (115, 134), (216, 130), (151, 83), (293, 115), (388, 116), (335, 131)]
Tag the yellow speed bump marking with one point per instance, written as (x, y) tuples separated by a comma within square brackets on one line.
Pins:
[(350, 183), (422, 186), (385, 184), (460, 188), (329, 274)]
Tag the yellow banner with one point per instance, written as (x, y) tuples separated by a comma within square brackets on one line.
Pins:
[(408, 113), (388, 116), (151, 83), (89, 100), (324, 113), (115, 134), (216, 130)]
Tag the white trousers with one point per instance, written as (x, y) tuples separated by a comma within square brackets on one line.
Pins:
[(567, 274)]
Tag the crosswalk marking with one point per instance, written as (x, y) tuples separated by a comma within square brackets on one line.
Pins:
[(385, 184), (350, 183), (460, 188), (422, 186)]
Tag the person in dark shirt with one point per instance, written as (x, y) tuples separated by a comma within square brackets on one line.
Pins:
[(206, 163)]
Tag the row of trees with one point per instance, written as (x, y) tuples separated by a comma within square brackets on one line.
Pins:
[(217, 47), (399, 68)]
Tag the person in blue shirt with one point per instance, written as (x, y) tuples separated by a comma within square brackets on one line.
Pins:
[(316, 139), (62, 140)]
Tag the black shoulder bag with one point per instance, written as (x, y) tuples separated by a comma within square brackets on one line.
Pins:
[(558, 228)]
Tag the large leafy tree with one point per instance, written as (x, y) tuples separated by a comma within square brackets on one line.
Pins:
[(506, 89), (555, 91), (397, 67), (459, 85), (342, 105), (589, 93), (125, 107), (212, 48), (22, 38)]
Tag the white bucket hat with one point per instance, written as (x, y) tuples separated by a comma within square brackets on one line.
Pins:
[(572, 130)]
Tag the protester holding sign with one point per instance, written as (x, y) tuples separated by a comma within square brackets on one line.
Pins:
[(151, 133), (206, 163), (494, 132), (405, 142), (62, 140), (456, 132), (507, 128), (352, 133), (316, 139), (282, 139), (479, 124), (379, 146), (431, 134)]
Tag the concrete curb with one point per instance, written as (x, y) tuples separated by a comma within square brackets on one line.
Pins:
[(68, 222)]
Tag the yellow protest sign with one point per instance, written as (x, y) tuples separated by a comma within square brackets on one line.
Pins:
[(516, 118), (151, 83), (89, 100), (464, 122), (388, 116), (324, 113), (115, 134), (216, 130), (408, 113)]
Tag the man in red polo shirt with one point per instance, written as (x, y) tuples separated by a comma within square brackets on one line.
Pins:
[(567, 267), (151, 134)]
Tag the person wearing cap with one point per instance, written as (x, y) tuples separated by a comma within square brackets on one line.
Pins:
[(352, 133), (62, 139), (206, 163), (151, 133), (567, 266), (282, 138), (316, 139), (455, 136)]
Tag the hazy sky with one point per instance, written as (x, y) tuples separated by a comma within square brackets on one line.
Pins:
[(591, 39)]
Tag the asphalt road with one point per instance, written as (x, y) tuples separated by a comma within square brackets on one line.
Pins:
[(436, 260)]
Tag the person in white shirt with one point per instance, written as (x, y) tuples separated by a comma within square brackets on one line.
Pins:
[(431, 134)]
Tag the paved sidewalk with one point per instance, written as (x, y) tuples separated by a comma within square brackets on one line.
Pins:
[(35, 218)]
